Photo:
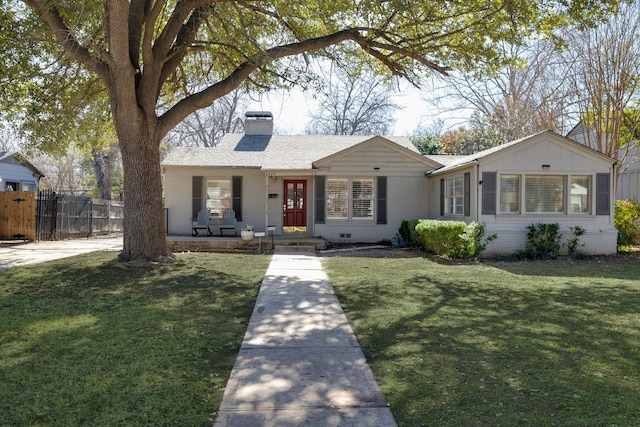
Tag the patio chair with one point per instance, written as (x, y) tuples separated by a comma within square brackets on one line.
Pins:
[(228, 221), (202, 223)]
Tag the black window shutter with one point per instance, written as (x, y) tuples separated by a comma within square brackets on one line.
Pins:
[(320, 199), (489, 193), (467, 194), (603, 202), (382, 200), (236, 190), (441, 196), (196, 196)]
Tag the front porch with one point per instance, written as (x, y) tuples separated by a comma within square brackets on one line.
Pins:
[(188, 243)]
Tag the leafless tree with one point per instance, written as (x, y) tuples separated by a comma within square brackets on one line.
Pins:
[(206, 127), (605, 76), (9, 137), (352, 104), (62, 173), (527, 96)]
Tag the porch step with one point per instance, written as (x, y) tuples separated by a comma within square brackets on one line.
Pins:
[(294, 248)]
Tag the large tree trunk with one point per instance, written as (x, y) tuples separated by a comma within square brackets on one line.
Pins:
[(144, 231)]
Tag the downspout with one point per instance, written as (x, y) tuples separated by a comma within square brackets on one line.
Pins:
[(266, 201), (478, 191)]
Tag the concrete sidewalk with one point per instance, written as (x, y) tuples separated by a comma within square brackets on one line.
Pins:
[(18, 255), (300, 363)]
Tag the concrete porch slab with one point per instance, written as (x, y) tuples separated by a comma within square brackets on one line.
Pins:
[(188, 243)]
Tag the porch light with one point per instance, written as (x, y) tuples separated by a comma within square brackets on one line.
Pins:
[(545, 167)]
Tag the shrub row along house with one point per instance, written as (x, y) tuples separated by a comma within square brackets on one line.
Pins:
[(360, 188)]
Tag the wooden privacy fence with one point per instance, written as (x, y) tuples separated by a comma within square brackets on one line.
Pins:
[(63, 216), (17, 215)]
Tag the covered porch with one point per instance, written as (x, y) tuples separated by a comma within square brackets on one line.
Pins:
[(188, 243)]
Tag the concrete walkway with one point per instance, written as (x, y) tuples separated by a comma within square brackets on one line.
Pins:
[(21, 254), (300, 363)]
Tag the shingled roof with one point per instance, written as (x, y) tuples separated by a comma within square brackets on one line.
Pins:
[(271, 152)]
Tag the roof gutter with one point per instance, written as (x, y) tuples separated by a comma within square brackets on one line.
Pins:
[(452, 168)]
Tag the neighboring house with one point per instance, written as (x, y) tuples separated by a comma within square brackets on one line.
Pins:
[(629, 179), (360, 188), (628, 185), (17, 173)]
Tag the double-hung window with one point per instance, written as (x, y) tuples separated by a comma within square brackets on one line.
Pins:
[(580, 193), (218, 192), (454, 196), (362, 199), (350, 199), (545, 193), (337, 198), (510, 194)]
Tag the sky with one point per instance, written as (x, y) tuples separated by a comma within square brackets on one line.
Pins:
[(290, 111)]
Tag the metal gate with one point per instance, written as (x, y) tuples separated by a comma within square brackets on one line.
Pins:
[(46, 215)]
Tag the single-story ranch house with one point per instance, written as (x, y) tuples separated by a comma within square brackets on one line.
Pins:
[(360, 188)]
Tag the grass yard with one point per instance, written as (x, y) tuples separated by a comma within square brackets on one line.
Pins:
[(498, 344), (84, 342)]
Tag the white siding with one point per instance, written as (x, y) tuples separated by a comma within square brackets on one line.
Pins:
[(434, 194), (563, 159), (178, 195), (405, 200), (407, 189), (363, 159)]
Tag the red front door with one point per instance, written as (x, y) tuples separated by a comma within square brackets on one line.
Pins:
[(295, 207)]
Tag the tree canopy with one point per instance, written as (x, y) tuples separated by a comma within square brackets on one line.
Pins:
[(157, 61)]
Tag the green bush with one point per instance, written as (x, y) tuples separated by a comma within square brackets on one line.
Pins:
[(625, 219), (408, 231), (574, 242), (454, 239), (543, 241)]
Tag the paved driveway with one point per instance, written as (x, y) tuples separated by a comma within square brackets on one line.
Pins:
[(17, 255)]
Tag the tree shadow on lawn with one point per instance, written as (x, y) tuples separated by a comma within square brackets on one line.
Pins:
[(458, 352), (99, 344), (620, 266)]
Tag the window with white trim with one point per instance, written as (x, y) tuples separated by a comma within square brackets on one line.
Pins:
[(337, 198), (545, 193), (218, 192), (510, 194), (350, 199), (362, 199), (454, 196), (579, 195)]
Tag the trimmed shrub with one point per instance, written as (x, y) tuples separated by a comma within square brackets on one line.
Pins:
[(408, 231), (625, 219), (454, 239), (543, 241), (574, 242)]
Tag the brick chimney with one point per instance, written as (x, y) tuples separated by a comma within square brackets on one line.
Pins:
[(258, 123)]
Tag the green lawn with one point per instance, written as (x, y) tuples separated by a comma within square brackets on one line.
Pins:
[(85, 342), (498, 344)]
